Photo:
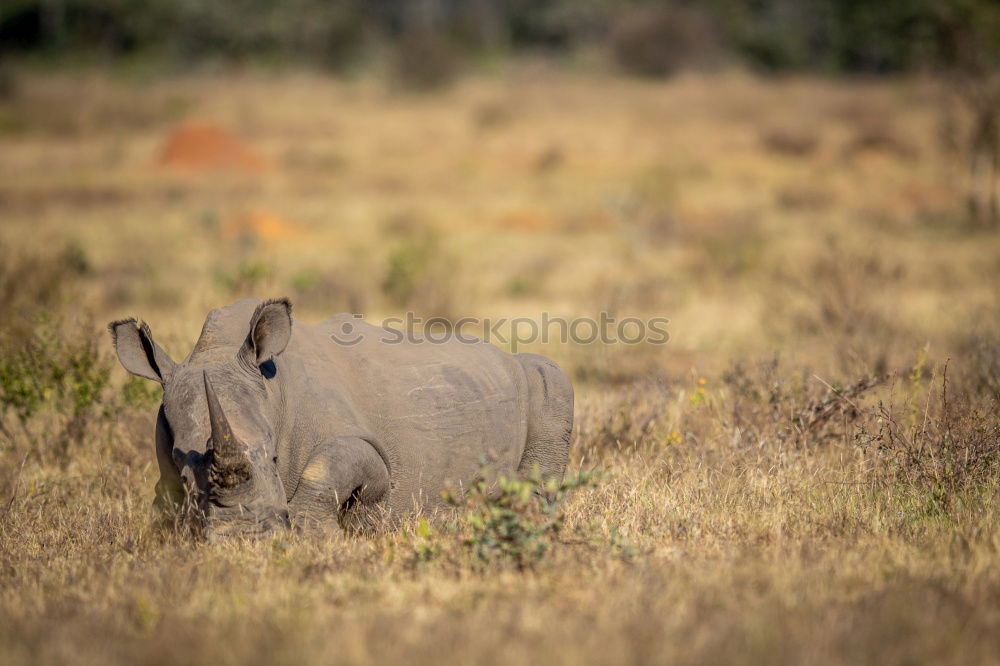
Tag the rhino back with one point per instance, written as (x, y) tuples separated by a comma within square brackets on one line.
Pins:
[(435, 410)]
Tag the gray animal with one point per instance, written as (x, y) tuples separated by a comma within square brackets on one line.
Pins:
[(273, 423)]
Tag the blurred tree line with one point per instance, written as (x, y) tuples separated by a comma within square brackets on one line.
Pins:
[(650, 37)]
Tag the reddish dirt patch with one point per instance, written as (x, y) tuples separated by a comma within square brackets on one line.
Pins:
[(260, 225), (203, 146)]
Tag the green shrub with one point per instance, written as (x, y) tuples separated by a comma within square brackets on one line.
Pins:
[(425, 548), (514, 521), (138, 393), (50, 368), (408, 264), (340, 289), (55, 384), (418, 276), (244, 278)]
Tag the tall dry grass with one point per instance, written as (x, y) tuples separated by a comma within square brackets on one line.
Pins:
[(806, 472)]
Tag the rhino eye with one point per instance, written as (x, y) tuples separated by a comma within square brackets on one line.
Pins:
[(268, 369)]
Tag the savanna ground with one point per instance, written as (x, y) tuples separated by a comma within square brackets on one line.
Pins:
[(806, 473)]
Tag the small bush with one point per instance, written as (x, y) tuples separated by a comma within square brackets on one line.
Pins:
[(916, 432), (834, 298), (632, 416), (514, 521), (935, 439), (8, 83), (982, 352), (418, 276), (799, 142), (425, 61), (34, 285), (808, 198), (804, 409), (244, 278), (425, 548), (140, 393), (336, 289), (878, 136), (659, 41), (60, 377)]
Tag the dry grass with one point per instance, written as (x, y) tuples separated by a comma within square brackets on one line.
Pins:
[(836, 504)]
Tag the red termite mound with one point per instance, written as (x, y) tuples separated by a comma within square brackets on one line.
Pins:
[(203, 146)]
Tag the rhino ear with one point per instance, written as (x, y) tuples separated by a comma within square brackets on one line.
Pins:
[(138, 353), (270, 330)]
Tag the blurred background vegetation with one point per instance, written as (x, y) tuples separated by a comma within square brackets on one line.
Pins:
[(648, 37)]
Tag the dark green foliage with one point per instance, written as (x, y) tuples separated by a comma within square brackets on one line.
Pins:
[(855, 35), (428, 38), (327, 33)]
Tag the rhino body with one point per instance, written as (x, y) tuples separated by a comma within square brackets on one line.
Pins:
[(269, 423)]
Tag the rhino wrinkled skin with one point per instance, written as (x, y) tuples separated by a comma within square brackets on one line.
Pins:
[(273, 423)]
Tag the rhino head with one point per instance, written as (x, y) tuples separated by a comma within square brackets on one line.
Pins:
[(221, 409)]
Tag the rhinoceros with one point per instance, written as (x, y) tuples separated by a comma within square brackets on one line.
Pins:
[(271, 423)]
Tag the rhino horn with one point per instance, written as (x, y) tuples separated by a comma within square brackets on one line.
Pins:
[(230, 466)]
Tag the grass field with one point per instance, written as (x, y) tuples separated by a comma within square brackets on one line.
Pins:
[(806, 473)]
